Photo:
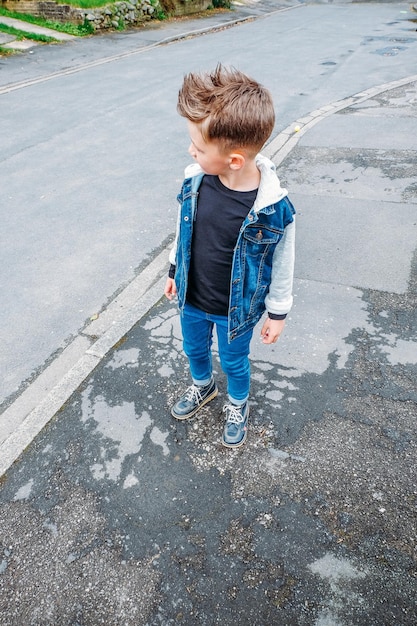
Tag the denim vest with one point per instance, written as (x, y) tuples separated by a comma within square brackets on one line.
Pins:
[(258, 237)]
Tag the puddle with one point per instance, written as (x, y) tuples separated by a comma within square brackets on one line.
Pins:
[(390, 39), (389, 52)]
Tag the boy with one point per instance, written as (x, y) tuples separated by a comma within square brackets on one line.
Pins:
[(233, 255)]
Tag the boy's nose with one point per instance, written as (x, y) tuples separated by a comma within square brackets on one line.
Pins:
[(191, 150)]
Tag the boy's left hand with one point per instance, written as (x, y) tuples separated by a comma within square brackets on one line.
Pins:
[(271, 330)]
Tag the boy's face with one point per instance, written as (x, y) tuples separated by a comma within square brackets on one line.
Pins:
[(207, 154)]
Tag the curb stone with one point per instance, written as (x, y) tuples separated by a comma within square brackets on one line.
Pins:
[(287, 139), (116, 57)]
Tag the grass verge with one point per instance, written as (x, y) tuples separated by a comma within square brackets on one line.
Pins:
[(21, 34), (79, 30)]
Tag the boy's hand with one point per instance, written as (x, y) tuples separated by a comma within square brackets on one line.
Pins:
[(170, 288), (271, 330)]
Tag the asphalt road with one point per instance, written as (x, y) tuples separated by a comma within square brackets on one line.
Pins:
[(92, 151), (117, 514), (111, 512)]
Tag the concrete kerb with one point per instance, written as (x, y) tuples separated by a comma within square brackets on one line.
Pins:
[(162, 42), (133, 303), (37, 405), (279, 148), (123, 55)]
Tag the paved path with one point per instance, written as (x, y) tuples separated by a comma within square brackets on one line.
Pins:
[(8, 41), (51, 136), (241, 10), (111, 512), (127, 516)]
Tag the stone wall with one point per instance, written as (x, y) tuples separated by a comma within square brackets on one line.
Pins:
[(118, 15), (114, 15), (59, 12)]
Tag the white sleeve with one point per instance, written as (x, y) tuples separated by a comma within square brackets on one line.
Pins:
[(173, 251), (279, 299)]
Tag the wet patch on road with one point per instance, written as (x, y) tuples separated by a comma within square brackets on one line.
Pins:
[(119, 514), (394, 47), (312, 520)]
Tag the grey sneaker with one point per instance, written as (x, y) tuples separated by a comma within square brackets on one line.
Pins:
[(193, 399), (236, 426)]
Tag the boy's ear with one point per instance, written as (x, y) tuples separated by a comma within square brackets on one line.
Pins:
[(237, 161)]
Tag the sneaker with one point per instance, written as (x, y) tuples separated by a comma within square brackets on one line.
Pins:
[(236, 427), (193, 399)]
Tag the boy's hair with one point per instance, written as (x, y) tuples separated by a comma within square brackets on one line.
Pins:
[(229, 107)]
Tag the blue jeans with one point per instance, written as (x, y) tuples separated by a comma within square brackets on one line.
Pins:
[(197, 330)]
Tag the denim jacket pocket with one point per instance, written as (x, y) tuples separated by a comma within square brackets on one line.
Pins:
[(258, 238)]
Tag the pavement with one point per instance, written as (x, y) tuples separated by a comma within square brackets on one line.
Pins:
[(10, 42), (240, 10), (113, 513)]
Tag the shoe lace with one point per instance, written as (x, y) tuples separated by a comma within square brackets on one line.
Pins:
[(193, 394), (233, 414)]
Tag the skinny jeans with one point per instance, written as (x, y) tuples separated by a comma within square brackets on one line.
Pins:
[(197, 330)]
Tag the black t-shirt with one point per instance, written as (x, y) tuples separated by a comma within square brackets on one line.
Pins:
[(220, 214)]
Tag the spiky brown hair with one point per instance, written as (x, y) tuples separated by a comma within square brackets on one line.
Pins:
[(229, 107)]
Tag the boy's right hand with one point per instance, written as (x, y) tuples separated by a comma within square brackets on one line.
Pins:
[(170, 288)]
